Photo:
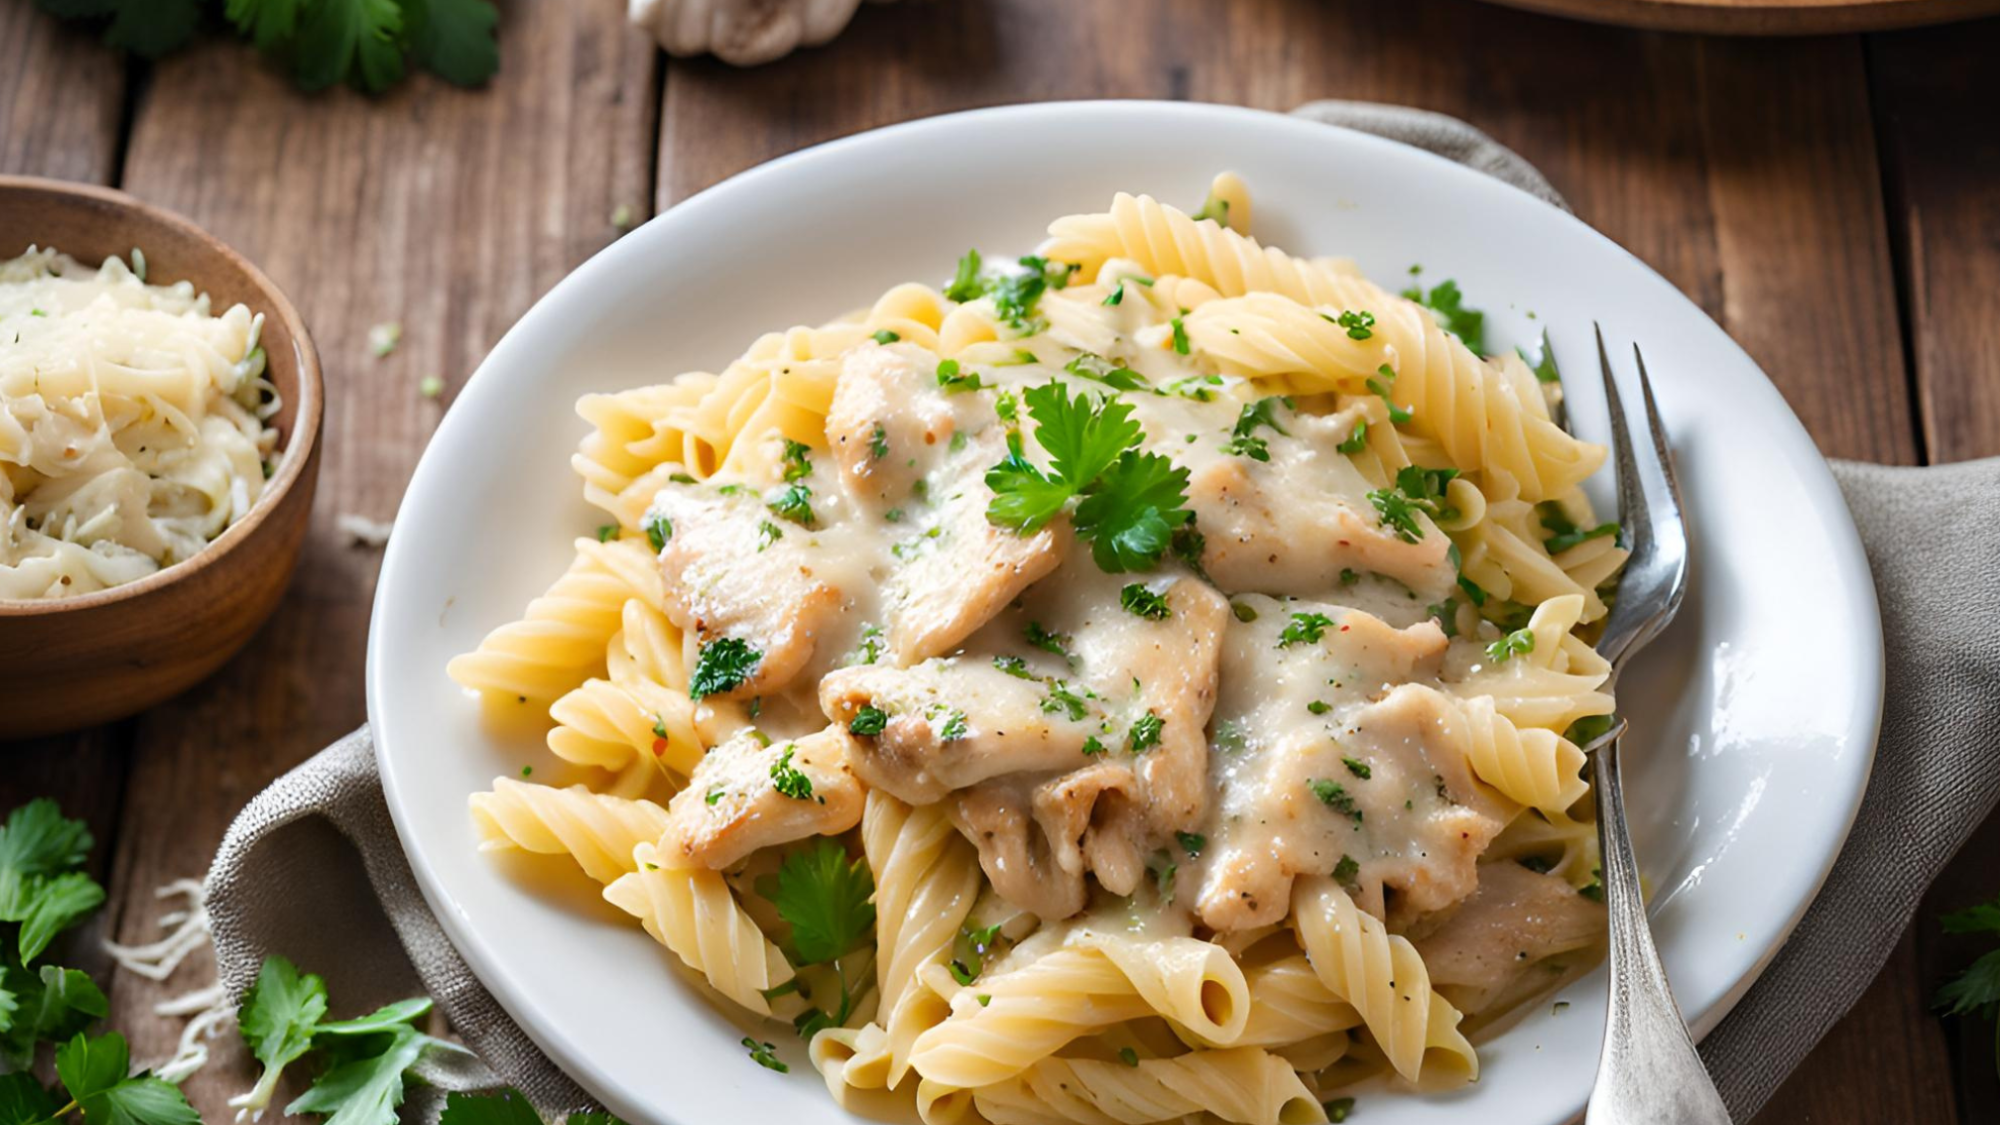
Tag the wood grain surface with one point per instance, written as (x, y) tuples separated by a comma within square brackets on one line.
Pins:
[(1764, 17), (1828, 200)]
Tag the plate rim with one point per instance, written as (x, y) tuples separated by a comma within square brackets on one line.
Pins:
[(490, 968)]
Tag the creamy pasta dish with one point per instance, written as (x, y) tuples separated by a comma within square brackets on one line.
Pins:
[(1138, 682), (134, 423)]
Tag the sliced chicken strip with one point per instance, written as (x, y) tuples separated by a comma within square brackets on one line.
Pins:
[(948, 724), (1517, 918), (998, 818), (750, 793)]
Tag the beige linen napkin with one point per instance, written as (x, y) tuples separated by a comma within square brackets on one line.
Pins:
[(312, 868)]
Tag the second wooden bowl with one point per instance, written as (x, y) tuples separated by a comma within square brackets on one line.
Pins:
[(73, 662)]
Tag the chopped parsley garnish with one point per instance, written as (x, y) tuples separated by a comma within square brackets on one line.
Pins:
[(1544, 365), (682, 478), (1142, 602), (965, 285), (1243, 611), (765, 1055), (1385, 376), (1346, 871), (1092, 748), (953, 383), (1243, 441), (1359, 325), (1062, 700), (1117, 295), (1338, 1109), (1214, 207), (870, 720), (607, 532), (788, 781), (1089, 365), (954, 727), (794, 504), (1358, 768), (1319, 707), (884, 336), (1445, 613), (1334, 795), (1417, 490), (878, 442), (961, 972), (1015, 294), (1013, 666), (870, 648), (1589, 729), (659, 529), (1192, 843), (1513, 644), (1356, 441), (1008, 408), (1128, 503), (767, 534), (1145, 733), (798, 460), (1348, 576), (1304, 628), (713, 797), (1469, 325), (1057, 643), (1594, 891), (1128, 1056), (723, 665), (1563, 532), (1180, 336)]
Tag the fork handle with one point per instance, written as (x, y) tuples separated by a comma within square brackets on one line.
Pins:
[(1649, 1073)]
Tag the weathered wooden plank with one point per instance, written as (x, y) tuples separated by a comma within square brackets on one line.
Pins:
[(447, 210), (1932, 90), (1744, 172), (61, 96)]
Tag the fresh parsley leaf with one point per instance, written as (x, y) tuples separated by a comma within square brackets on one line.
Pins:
[(1981, 919), (1145, 733), (1543, 364), (1338, 1109), (1057, 643), (868, 721), (797, 460), (1346, 871), (1588, 729), (277, 1019), (1358, 768), (1132, 512), (884, 336), (723, 665), (1192, 843), (825, 899), (1515, 643), (1243, 441), (54, 905), (1062, 701), (1141, 602), (607, 532), (1180, 336), (659, 529), (954, 727), (96, 1073), (965, 285), (37, 840), (1977, 989), (1304, 628), (1356, 441), (878, 442), (454, 40), (1092, 748), (1128, 1056), (1334, 795), (24, 1100), (366, 1088), (767, 534), (1417, 490), (500, 1107), (1469, 325)]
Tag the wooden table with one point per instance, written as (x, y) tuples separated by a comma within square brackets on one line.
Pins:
[(1833, 202)]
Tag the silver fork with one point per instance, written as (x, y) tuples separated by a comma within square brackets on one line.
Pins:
[(1649, 1073)]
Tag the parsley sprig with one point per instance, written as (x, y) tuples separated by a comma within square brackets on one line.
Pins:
[(824, 897), (1417, 490), (1469, 325), (1127, 503), (506, 1106), (1015, 293), (363, 42), (1243, 439), (1976, 990)]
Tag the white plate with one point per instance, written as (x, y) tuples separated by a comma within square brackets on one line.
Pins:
[(1755, 717)]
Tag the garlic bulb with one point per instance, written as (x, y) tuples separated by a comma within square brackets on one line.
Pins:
[(742, 32)]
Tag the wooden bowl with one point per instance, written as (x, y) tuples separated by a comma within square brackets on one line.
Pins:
[(73, 662)]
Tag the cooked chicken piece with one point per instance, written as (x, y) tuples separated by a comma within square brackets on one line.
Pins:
[(725, 576), (751, 793), (953, 723), (966, 570), (1095, 820), (1176, 663), (889, 422), (1292, 524), (996, 817), (1516, 918)]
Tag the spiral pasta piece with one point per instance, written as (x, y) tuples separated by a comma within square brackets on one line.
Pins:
[(692, 912), (1536, 767), (560, 641), (1240, 1084), (596, 830), (1384, 978), (1289, 1004), (926, 881), (1194, 983), (1032, 1012)]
